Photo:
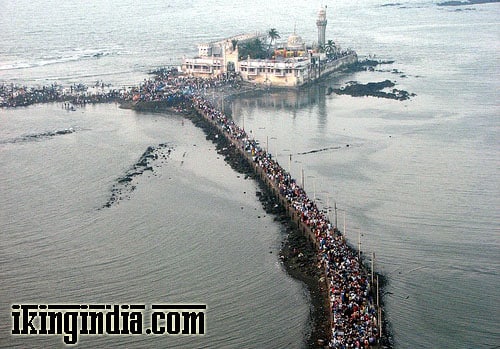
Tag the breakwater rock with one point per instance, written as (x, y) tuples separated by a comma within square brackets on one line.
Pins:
[(147, 162), (373, 89), (52, 133), (300, 260), (40, 136), (297, 254), (223, 147), (366, 65), (370, 65)]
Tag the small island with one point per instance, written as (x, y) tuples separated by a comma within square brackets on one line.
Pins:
[(260, 60)]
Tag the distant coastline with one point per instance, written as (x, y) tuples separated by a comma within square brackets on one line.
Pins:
[(465, 3)]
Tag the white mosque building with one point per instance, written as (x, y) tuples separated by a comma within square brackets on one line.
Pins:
[(293, 64)]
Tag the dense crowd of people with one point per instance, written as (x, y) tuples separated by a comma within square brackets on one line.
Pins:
[(168, 84), (76, 94), (354, 314)]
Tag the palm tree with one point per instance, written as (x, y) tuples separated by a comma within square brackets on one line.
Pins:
[(272, 34), (234, 42), (252, 48), (330, 48)]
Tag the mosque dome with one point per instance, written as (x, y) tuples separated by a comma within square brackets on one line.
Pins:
[(295, 42)]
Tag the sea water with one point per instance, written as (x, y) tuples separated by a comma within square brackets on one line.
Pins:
[(416, 180)]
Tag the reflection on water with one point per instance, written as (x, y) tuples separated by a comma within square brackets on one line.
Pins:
[(277, 99)]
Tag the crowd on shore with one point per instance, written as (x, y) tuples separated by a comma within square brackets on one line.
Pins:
[(352, 307), (12, 95), (167, 85), (354, 314)]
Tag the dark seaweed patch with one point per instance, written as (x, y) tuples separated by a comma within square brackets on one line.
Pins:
[(123, 186)]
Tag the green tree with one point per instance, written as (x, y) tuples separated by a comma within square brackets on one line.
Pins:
[(330, 48), (272, 34), (234, 42), (253, 48)]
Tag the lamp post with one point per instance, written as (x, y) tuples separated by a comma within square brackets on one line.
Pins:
[(345, 231), (335, 208), (275, 148), (301, 173), (314, 186), (373, 264), (359, 245)]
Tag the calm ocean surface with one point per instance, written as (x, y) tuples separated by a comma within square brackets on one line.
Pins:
[(418, 182)]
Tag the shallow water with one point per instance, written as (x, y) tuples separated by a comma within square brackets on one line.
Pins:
[(192, 231), (418, 181)]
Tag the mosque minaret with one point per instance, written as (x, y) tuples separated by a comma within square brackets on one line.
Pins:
[(321, 24)]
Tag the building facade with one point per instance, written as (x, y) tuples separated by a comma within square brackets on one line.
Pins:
[(293, 63)]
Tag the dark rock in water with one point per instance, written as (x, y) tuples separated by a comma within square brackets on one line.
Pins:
[(299, 259), (373, 89), (366, 65), (392, 4), (42, 135), (223, 146), (64, 132), (145, 163), (124, 179)]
